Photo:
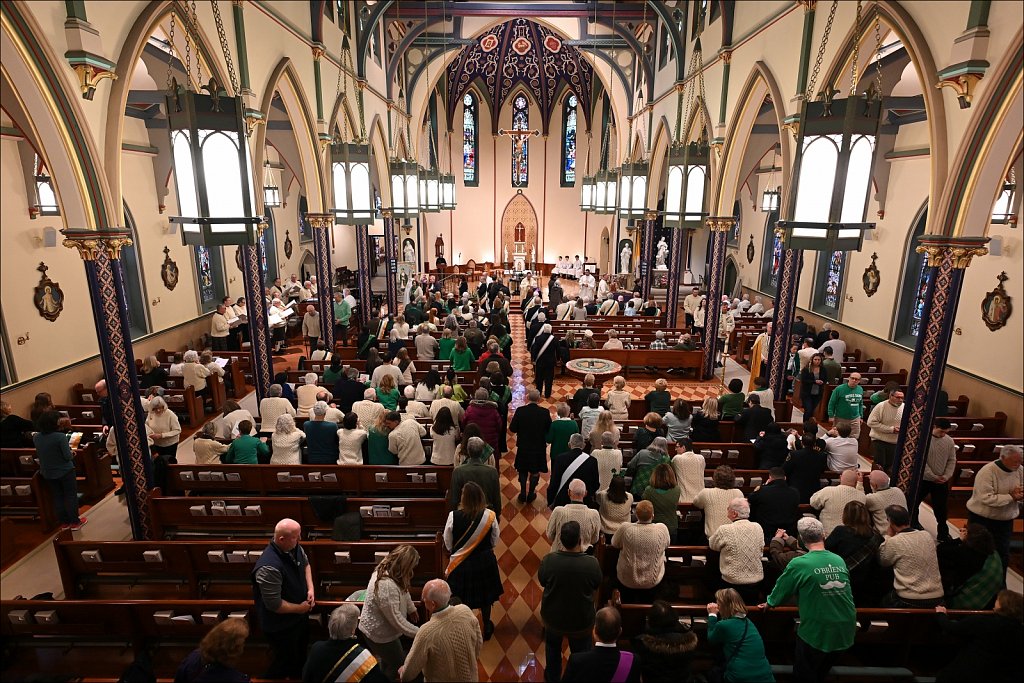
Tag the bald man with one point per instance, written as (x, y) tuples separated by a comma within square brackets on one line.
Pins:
[(447, 646), (283, 592), (830, 501), (881, 496)]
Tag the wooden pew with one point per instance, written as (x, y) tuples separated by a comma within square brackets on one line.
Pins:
[(982, 447), (28, 497), (217, 569), (93, 469), (265, 480), (173, 517)]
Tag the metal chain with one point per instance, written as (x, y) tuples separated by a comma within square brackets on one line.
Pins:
[(188, 52), (170, 51), (199, 61), (856, 52), (703, 95), (689, 87), (224, 46), (821, 51), (878, 58)]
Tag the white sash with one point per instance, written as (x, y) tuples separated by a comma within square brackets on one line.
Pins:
[(571, 470), (547, 343)]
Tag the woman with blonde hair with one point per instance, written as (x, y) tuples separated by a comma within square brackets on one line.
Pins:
[(742, 647), (214, 659), (618, 399), (605, 423), (286, 442), (387, 392), (377, 443), (470, 535), (388, 610), (704, 422), (153, 374)]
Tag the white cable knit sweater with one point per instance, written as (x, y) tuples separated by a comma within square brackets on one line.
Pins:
[(715, 504), (991, 496), (741, 545), (830, 502), (915, 566), (689, 469), (641, 553)]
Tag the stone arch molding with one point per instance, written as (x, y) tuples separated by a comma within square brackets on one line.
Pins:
[(518, 212)]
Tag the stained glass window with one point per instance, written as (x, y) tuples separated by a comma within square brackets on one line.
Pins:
[(776, 260), (569, 143), (771, 255), (914, 288), (204, 273), (830, 290), (920, 291), (520, 147), (470, 118)]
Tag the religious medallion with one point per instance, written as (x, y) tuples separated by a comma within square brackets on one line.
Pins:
[(489, 42), (238, 257), (287, 245), (871, 277), (552, 43), (750, 250), (169, 270), (996, 307), (48, 297)]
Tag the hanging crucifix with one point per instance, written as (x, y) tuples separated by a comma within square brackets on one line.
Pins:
[(519, 138)]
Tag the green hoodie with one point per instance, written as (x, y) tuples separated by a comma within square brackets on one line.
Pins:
[(846, 403)]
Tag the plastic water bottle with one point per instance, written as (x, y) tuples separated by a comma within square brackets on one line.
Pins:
[(529, 664)]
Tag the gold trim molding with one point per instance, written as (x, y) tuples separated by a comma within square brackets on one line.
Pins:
[(320, 220)]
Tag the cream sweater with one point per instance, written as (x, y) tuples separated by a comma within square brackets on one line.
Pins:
[(830, 501), (991, 496), (715, 504), (741, 545), (689, 469), (613, 515), (166, 425), (883, 419), (589, 521), (608, 459), (878, 501), (446, 647), (641, 553), (385, 613), (911, 554)]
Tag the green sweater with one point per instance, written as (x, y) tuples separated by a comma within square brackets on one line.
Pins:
[(559, 433), (846, 403), (244, 450), (444, 348), (828, 617), (377, 449), (659, 402), (744, 654), (731, 405), (665, 502), (462, 360), (569, 581)]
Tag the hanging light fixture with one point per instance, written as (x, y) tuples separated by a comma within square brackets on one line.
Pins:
[(633, 175), (405, 188), (770, 196), (447, 179), (588, 189), (430, 190), (687, 181), (836, 150), (606, 184), (210, 155), (271, 190), (350, 160)]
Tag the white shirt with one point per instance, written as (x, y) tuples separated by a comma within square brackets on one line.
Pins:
[(838, 347), (843, 453)]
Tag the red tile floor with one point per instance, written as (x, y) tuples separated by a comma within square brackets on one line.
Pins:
[(515, 653)]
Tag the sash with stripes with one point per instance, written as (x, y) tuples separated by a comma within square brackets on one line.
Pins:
[(354, 667), (479, 532)]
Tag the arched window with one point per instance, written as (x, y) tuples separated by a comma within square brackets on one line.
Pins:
[(828, 293), (135, 295), (470, 140), (913, 289), (209, 276), (268, 249), (521, 148), (45, 194), (771, 255), (569, 142)]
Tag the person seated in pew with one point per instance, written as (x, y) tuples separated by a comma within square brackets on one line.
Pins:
[(153, 373), (15, 431), (775, 504), (641, 465), (216, 656), (972, 573), (805, 466), (730, 403), (351, 441), (715, 501), (587, 343), (286, 442), (764, 393), (410, 407), (273, 406), (685, 343), (333, 372), (177, 366), (195, 373), (665, 647), (659, 343), (207, 449), (343, 652), (575, 510), (989, 644), (880, 495), (915, 564), (387, 392), (704, 425), (613, 343), (740, 545), (618, 399), (246, 449), (754, 419), (741, 643), (660, 400), (653, 426), (663, 492), (321, 437), (771, 447), (405, 439)]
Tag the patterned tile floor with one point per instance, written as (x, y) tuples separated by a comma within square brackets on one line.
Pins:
[(515, 653)]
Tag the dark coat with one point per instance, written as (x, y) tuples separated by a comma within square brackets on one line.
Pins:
[(588, 472), (774, 506), (598, 666), (555, 296), (753, 420), (803, 471), (772, 450), (550, 354), (346, 392), (531, 423), (665, 656), (485, 415)]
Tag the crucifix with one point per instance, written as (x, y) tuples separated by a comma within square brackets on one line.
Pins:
[(519, 138)]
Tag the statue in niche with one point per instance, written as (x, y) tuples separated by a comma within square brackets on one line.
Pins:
[(662, 255), (625, 256), (48, 296), (409, 251)]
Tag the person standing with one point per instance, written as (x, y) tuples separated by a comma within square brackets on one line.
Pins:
[(828, 617), (57, 468), (388, 610), (775, 504), (741, 546), (573, 464), (530, 423), (577, 511), (691, 302), (846, 404), (475, 469), (938, 470), (470, 535), (880, 496), (447, 646), (641, 564), (342, 318), (342, 655), (220, 329), (884, 422), (569, 578), (282, 582), (311, 326), (544, 352), (996, 499), (606, 662)]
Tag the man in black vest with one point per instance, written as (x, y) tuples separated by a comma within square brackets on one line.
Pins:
[(282, 584)]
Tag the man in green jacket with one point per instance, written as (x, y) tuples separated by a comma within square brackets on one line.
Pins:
[(342, 316), (246, 449), (846, 404), (828, 618)]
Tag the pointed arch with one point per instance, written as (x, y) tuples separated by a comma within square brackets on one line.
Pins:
[(662, 141), (379, 155), (760, 83), (285, 81), (134, 280), (342, 115), (698, 123), (151, 16), (913, 285)]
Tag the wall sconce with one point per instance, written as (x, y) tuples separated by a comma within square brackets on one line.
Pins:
[(850, 299), (22, 340), (231, 280), (47, 237), (160, 208), (33, 212)]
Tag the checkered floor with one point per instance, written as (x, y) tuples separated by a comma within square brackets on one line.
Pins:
[(515, 653)]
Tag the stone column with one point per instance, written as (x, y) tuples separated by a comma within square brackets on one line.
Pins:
[(719, 226), (947, 259), (676, 267), (322, 224), (391, 260), (256, 312), (785, 312), (363, 273), (101, 251), (646, 231)]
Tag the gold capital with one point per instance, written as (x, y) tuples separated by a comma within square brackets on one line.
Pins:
[(320, 220), (386, 214), (318, 52), (90, 243), (650, 215), (961, 255), (719, 223)]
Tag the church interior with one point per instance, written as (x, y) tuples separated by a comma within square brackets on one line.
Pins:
[(658, 209)]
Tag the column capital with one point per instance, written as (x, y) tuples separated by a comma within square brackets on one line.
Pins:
[(318, 51), (720, 223), (808, 5), (386, 214), (320, 220), (960, 250), (90, 243), (650, 215)]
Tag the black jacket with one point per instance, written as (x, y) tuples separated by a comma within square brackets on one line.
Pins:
[(599, 665), (772, 450), (550, 354), (774, 506), (588, 472), (803, 471), (753, 420), (665, 656), (346, 392)]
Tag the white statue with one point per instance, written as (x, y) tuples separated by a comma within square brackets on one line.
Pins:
[(659, 259), (624, 258), (531, 255), (410, 252), (506, 254)]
